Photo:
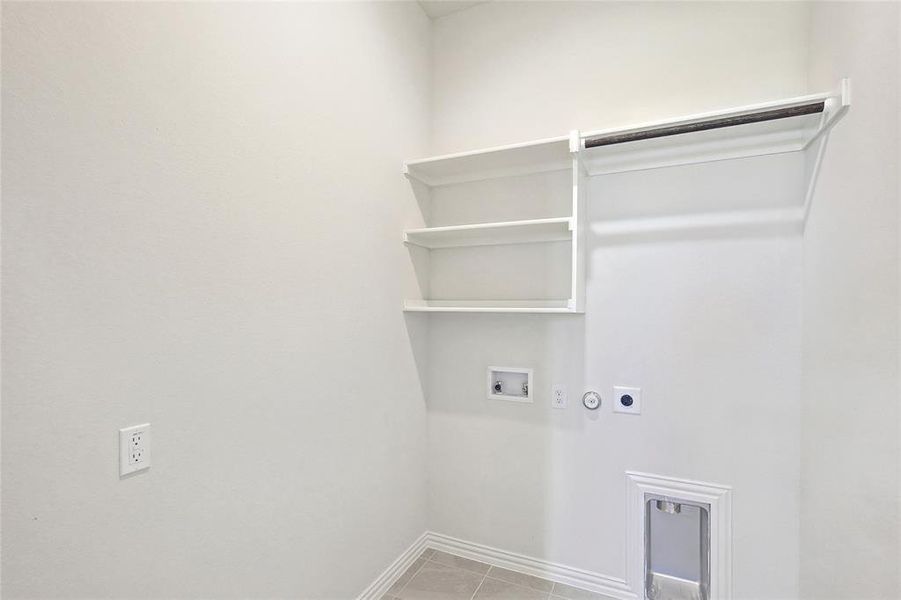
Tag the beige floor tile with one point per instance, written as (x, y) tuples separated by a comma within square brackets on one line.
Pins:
[(458, 561), (495, 589), (407, 576), (436, 581), (592, 595), (569, 592), (529, 581)]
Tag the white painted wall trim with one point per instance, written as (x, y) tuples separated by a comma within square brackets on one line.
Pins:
[(587, 580), (595, 582), (386, 579), (719, 497)]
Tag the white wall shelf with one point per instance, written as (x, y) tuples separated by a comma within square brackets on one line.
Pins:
[(552, 154), (489, 234), (513, 161), (799, 124), (685, 140), (489, 306)]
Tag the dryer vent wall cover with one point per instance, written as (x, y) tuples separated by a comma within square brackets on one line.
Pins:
[(679, 538), (677, 549)]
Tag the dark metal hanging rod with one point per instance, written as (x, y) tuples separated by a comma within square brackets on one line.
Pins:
[(716, 123)]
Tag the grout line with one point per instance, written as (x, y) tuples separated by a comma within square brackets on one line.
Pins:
[(484, 577), (550, 594), (404, 586), (461, 568)]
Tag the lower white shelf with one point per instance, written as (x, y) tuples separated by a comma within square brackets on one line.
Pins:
[(489, 234), (495, 306)]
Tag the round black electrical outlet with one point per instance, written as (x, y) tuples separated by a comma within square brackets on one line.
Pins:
[(626, 400)]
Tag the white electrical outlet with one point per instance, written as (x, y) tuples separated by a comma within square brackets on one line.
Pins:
[(627, 400), (558, 396), (134, 448)]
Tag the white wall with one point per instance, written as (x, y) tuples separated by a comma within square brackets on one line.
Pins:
[(201, 206), (850, 525), (513, 71), (200, 221), (708, 325)]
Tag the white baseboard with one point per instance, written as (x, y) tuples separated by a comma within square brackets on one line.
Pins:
[(384, 581), (587, 580)]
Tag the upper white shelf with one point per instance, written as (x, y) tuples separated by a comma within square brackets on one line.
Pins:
[(787, 125), (490, 234), (551, 154)]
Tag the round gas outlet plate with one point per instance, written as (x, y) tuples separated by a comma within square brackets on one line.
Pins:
[(591, 400)]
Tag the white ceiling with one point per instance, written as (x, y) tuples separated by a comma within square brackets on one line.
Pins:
[(439, 8)]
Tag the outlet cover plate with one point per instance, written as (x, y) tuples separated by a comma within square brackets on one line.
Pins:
[(558, 396), (621, 400), (134, 449)]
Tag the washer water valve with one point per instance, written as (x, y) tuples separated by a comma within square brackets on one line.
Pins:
[(510, 383)]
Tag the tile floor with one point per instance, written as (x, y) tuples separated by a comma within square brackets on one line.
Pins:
[(438, 575)]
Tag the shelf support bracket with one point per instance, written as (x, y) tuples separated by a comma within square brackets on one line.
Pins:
[(836, 107)]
